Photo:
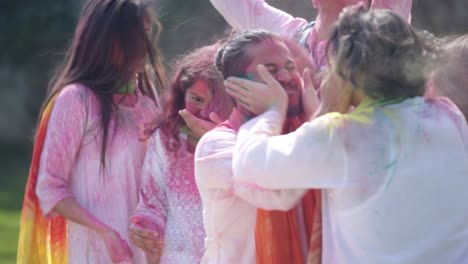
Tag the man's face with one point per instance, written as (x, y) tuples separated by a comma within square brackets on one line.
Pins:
[(278, 60)]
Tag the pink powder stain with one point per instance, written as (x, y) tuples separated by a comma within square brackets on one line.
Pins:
[(257, 7), (74, 170), (170, 196)]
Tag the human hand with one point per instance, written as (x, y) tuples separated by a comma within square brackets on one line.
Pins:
[(197, 125), (335, 95), (258, 97), (310, 100), (145, 234), (117, 248)]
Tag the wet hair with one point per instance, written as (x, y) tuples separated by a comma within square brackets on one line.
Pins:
[(189, 68), (233, 58), (381, 53), (450, 78), (109, 41)]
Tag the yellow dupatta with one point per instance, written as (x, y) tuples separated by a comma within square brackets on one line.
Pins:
[(41, 239)]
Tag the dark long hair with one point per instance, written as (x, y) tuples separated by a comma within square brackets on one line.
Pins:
[(109, 41), (381, 53), (189, 68)]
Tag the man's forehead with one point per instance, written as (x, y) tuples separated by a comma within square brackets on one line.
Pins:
[(270, 51)]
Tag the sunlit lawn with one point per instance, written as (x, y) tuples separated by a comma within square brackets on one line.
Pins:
[(12, 181), (9, 221)]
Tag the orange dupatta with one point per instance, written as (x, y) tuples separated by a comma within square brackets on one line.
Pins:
[(277, 238), (41, 240)]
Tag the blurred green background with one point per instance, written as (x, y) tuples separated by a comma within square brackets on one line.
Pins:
[(34, 35)]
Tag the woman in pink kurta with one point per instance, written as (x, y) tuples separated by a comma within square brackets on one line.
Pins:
[(168, 224), (91, 162), (71, 168)]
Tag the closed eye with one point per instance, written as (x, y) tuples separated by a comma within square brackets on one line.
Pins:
[(291, 66), (272, 69)]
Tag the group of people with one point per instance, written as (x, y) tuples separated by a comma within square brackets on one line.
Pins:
[(342, 140)]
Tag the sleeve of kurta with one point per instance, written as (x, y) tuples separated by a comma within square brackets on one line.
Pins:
[(312, 157), (152, 195), (65, 131), (256, 14), (213, 170)]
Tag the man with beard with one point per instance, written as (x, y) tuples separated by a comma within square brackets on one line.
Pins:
[(230, 210)]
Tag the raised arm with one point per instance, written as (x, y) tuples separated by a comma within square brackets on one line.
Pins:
[(256, 14), (311, 157), (213, 170)]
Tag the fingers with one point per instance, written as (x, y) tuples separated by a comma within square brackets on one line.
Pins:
[(215, 118), (142, 221), (308, 83), (145, 243), (152, 246), (147, 240), (266, 76), (236, 87), (310, 99), (189, 118), (141, 232)]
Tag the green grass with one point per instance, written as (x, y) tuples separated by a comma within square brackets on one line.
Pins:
[(12, 182), (9, 222)]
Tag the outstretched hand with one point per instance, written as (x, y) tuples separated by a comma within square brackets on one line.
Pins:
[(335, 95), (258, 97)]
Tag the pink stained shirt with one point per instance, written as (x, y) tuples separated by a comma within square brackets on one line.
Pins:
[(70, 167), (229, 209), (169, 196)]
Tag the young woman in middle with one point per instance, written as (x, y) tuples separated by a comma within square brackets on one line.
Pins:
[(168, 223), (242, 222)]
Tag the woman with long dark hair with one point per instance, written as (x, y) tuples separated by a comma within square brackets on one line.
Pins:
[(85, 173), (168, 224)]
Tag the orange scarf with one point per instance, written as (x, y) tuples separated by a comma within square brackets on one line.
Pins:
[(277, 237), (41, 240)]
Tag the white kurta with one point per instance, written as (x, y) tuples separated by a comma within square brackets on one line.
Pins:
[(394, 178), (230, 210)]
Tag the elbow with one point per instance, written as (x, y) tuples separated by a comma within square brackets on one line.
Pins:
[(50, 198)]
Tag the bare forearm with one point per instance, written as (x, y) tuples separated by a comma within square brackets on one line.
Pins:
[(73, 211)]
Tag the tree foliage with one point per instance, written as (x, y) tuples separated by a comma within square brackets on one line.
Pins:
[(34, 35)]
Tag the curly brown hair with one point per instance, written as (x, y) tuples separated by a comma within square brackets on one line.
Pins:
[(378, 51)]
